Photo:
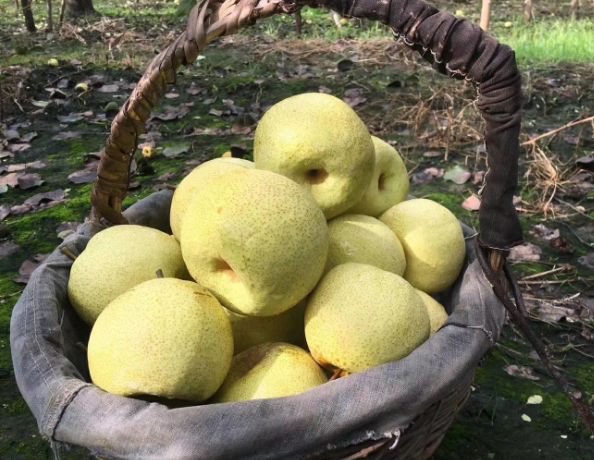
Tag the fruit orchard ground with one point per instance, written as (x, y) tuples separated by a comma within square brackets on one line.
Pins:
[(213, 109)]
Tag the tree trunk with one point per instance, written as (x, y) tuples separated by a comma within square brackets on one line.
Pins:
[(485, 14), (77, 8), (298, 22), (528, 11), (50, 19), (575, 7), (28, 13)]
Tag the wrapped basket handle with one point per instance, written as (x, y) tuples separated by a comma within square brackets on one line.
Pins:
[(454, 46)]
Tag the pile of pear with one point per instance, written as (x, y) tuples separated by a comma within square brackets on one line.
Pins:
[(281, 274)]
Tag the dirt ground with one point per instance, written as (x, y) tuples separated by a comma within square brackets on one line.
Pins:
[(56, 115)]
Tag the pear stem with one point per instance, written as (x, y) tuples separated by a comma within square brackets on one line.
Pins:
[(160, 273)]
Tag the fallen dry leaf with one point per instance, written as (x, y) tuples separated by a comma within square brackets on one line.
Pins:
[(38, 202), (27, 181), (8, 248), (457, 175), (171, 113), (28, 267), (523, 372), (526, 252), (542, 232), (433, 154), (354, 97), (426, 176), (472, 203), (112, 88), (11, 180), (550, 313), (66, 135), (17, 148), (4, 212), (19, 167), (84, 176)]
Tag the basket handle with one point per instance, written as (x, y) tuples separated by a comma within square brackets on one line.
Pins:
[(208, 20), (454, 46), (460, 49)]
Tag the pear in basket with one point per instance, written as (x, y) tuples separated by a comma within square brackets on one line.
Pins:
[(257, 240), (254, 330), (270, 370), (320, 142), (193, 183), (117, 259), (389, 184), (366, 240), (437, 312), (166, 338), (433, 243), (360, 316)]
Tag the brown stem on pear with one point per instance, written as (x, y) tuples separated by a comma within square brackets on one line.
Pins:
[(316, 176), (160, 273), (337, 372)]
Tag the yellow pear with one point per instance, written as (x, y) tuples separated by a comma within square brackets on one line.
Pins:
[(433, 243), (195, 181), (360, 316), (166, 338), (117, 259), (437, 313), (254, 330), (389, 184), (320, 142), (256, 240), (270, 370), (366, 240)]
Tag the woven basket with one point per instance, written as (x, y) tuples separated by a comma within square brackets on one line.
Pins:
[(412, 435)]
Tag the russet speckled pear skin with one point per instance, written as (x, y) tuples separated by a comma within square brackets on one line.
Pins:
[(437, 313), (117, 259), (257, 240), (389, 183), (321, 143), (270, 370), (195, 181), (360, 316), (433, 243), (165, 337), (249, 331), (366, 240)]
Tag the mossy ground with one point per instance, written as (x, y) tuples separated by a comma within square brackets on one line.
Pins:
[(405, 102)]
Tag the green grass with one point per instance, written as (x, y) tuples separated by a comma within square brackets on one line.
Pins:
[(552, 41)]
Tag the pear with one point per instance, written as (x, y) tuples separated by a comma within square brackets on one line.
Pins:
[(117, 259), (165, 338), (360, 316), (366, 240), (320, 142), (270, 370), (254, 330), (257, 240), (433, 243), (195, 181), (437, 313), (389, 184)]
